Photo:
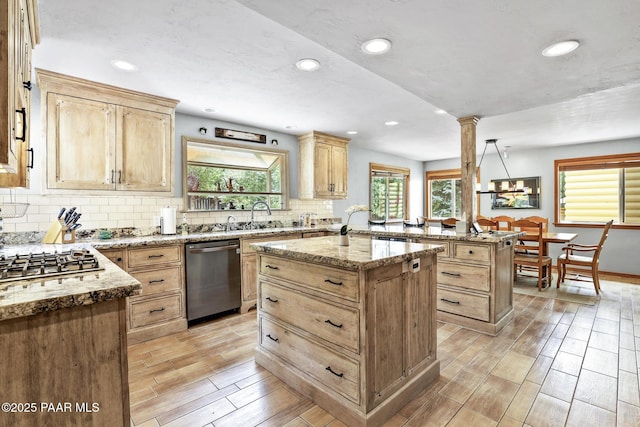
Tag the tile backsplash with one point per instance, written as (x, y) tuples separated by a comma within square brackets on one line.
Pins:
[(130, 211)]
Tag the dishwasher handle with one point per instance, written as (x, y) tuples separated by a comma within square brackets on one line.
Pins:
[(213, 249)]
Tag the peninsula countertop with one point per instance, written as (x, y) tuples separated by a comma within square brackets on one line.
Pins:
[(20, 298), (362, 253)]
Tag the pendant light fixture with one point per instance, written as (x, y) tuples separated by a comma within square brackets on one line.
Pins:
[(512, 187)]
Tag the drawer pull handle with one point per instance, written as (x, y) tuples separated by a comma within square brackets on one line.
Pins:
[(328, 368), (151, 282), (449, 301), (156, 310), (273, 267), (156, 256), (470, 252), (333, 324), (271, 299), (272, 338), (451, 274), (332, 282)]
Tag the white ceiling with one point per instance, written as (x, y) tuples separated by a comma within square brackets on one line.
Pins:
[(467, 57)]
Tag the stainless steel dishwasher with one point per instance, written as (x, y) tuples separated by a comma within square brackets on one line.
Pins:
[(213, 278)]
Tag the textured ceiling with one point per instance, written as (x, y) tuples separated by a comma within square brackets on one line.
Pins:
[(463, 56)]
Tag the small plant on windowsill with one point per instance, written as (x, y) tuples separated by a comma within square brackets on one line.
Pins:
[(344, 230)]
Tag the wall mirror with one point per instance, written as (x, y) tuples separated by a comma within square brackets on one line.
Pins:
[(525, 196), (223, 176)]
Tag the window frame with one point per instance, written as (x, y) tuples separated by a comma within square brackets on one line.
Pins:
[(598, 162), (444, 174), (406, 172)]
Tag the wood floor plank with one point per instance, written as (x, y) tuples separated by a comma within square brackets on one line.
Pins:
[(466, 417), (197, 403), (514, 367), (597, 389), (559, 385), (601, 361), (582, 414), (487, 402), (628, 391), (627, 415), (260, 410), (522, 402), (548, 411)]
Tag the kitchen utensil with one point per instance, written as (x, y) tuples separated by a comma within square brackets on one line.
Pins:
[(61, 213), (74, 227)]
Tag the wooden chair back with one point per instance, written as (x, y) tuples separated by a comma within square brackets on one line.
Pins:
[(504, 221), (488, 224), (542, 220), (449, 223), (530, 255)]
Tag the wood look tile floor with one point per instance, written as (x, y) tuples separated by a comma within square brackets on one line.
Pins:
[(557, 363)]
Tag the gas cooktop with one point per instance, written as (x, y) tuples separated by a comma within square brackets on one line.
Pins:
[(47, 264)]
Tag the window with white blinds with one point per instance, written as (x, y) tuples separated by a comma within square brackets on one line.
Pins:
[(598, 189)]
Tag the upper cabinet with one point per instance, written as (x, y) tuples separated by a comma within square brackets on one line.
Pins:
[(19, 29), (101, 137), (323, 166)]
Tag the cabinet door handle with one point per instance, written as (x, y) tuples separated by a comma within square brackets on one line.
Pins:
[(30, 165), (120, 176), (156, 310), (156, 256), (332, 282), (113, 176), (333, 324), (272, 338), (271, 299), (151, 282), (26, 85), (451, 274), (449, 301), (273, 267), (23, 111), (328, 368)]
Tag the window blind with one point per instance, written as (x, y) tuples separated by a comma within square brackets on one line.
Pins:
[(592, 195)]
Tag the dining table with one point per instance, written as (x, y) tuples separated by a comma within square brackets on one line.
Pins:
[(550, 237)]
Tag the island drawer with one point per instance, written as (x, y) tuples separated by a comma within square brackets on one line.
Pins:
[(463, 303), (335, 281), (471, 252), (154, 310), (475, 277), (443, 243), (337, 372), (142, 257), (159, 280), (336, 324)]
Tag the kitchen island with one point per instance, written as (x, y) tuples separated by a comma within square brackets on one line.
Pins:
[(64, 346), (351, 327)]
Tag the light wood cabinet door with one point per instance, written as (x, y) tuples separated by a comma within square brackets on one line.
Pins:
[(249, 279), (144, 147), (323, 166), (339, 171), (81, 143)]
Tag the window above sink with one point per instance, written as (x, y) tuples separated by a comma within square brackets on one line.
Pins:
[(222, 176)]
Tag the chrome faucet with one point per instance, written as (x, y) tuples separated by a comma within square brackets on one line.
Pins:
[(229, 218), (253, 208)]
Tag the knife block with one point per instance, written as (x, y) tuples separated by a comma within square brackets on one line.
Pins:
[(58, 233)]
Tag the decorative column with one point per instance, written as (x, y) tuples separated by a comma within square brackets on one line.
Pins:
[(468, 168)]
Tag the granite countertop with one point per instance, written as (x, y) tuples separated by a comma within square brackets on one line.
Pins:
[(20, 298), (363, 252), (436, 233)]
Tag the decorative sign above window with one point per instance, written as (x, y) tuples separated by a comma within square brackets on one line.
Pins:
[(519, 193), (241, 135)]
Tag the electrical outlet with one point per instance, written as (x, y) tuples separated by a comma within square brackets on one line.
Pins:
[(156, 220)]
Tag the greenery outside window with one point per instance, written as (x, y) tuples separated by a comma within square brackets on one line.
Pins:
[(594, 190), (444, 193), (388, 196), (223, 176)]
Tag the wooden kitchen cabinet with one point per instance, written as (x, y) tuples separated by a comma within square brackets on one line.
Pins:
[(323, 166), (475, 284), (160, 308), (100, 137), (19, 26), (248, 270)]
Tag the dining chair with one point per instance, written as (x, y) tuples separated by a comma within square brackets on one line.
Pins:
[(504, 221), (449, 222), (488, 224), (543, 220), (583, 263), (530, 255)]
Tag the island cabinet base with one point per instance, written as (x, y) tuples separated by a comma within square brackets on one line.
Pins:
[(359, 342), (66, 367)]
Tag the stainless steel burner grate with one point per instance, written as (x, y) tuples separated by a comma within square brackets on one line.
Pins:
[(47, 264)]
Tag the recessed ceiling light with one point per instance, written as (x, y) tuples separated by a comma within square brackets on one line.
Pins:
[(352, 132), (308, 64), (123, 65), (561, 48), (290, 127), (209, 110), (440, 112), (376, 46), (391, 123)]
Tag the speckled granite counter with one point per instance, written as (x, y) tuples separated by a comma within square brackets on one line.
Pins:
[(363, 253), (435, 233), (19, 298)]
